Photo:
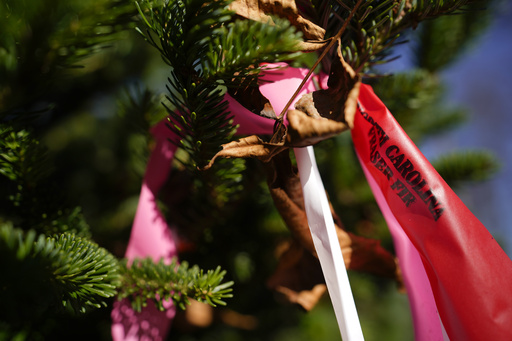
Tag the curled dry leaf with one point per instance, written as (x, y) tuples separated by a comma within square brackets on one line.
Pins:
[(263, 10), (339, 101), (302, 131), (251, 146), (298, 276), (359, 253), (286, 191)]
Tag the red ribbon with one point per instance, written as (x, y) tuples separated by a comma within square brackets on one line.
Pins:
[(469, 274)]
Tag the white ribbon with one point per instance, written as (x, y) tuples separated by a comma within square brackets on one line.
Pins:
[(327, 245)]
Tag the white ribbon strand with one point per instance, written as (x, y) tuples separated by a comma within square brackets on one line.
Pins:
[(327, 245)]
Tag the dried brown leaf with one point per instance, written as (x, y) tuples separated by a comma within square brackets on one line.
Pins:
[(320, 115), (339, 101), (286, 191), (298, 276), (251, 146), (305, 130), (263, 10), (359, 253), (302, 131)]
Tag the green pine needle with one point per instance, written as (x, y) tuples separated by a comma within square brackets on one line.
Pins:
[(466, 166), (65, 270), (145, 280), (377, 25)]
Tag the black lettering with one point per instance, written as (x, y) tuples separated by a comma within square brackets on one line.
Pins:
[(397, 160), (432, 203), (405, 167), (413, 178), (397, 185), (419, 186), (392, 151), (381, 164), (388, 173), (378, 129), (433, 207), (408, 198), (436, 213), (425, 195), (374, 155), (373, 137), (429, 198), (402, 191), (383, 138)]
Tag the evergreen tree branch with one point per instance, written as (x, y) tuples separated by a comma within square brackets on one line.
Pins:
[(20, 152), (145, 280), (202, 44), (230, 62), (41, 40), (205, 50), (451, 34), (377, 25), (63, 271), (466, 166), (415, 100), (29, 197)]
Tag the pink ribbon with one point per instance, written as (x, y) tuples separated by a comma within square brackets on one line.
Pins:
[(150, 237), (427, 325)]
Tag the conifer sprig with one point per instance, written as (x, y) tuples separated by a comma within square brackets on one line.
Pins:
[(204, 46), (208, 51), (181, 31), (466, 166), (40, 40), (378, 24), (22, 157), (231, 62), (70, 272), (145, 280)]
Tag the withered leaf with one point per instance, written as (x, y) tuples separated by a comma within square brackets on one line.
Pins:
[(262, 10), (298, 276), (305, 130), (286, 191), (339, 101), (302, 131), (359, 253), (319, 115), (251, 146)]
